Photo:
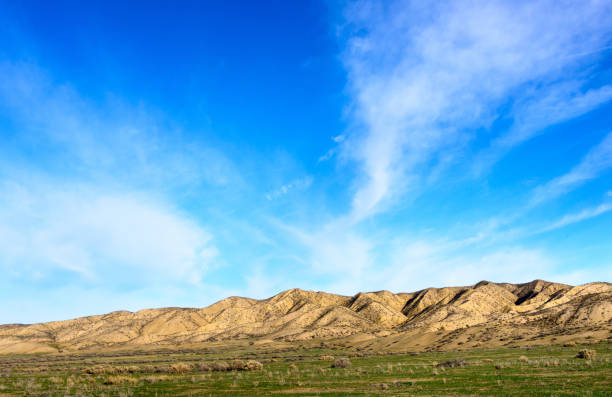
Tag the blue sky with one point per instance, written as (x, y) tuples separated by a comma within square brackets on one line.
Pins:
[(157, 156)]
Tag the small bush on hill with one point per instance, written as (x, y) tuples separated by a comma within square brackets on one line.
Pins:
[(180, 368), (587, 354), (220, 366), (253, 365), (460, 362), (341, 363), (237, 365), (204, 367)]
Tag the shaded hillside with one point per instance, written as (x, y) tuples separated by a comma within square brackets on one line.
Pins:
[(297, 315)]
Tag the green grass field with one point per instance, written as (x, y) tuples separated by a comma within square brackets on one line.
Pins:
[(536, 371)]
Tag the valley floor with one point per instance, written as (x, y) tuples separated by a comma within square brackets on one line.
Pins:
[(308, 371)]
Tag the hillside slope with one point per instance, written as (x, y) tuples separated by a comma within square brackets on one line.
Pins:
[(434, 316)]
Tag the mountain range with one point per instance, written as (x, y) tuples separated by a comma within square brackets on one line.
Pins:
[(485, 314)]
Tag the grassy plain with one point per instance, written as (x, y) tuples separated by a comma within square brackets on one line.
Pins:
[(534, 371)]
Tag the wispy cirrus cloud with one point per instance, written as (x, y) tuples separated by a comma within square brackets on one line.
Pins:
[(426, 82), (425, 78), (543, 107), (131, 142), (596, 161), (578, 217), (113, 194)]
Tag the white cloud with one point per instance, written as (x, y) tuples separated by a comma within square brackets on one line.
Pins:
[(334, 249), (597, 160), (411, 265), (338, 139), (262, 285), (423, 77), (578, 217), (544, 107), (297, 184), (328, 155), (420, 264), (130, 142), (105, 237)]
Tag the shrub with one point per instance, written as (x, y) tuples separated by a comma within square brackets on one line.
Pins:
[(569, 344), (587, 354), (326, 358), (460, 362), (204, 367), (253, 365), (341, 363), (523, 359), (220, 366), (180, 368), (237, 365)]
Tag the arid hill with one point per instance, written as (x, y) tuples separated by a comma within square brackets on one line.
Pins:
[(434, 318)]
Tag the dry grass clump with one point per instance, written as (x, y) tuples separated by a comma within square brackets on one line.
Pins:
[(120, 380), (97, 370), (587, 354), (523, 359), (569, 344), (115, 370), (155, 379), (180, 368), (341, 363), (326, 358)]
